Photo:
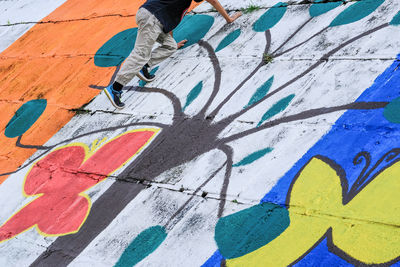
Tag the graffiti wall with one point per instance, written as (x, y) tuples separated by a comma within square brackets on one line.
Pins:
[(271, 141)]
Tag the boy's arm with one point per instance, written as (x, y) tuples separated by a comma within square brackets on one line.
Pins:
[(222, 11)]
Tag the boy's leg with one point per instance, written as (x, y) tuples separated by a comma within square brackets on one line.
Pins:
[(149, 29), (167, 48)]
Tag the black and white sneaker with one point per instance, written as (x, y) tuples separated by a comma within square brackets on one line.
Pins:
[(114, 96), (144, 74)]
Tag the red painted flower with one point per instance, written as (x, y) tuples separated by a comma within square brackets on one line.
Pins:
[(60, 179)]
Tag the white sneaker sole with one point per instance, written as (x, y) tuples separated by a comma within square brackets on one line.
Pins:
[(111, 99), (144, 78)]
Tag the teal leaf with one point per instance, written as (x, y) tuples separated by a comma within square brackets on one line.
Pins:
[(321, 7), (248, 230), (396, 20), (25, 117), (143, 245), (230, 38), (278, 107), (193, 94), (270, 18), (193, 28), (261, 92), (253, 157), (152, 72), (392, 111), (117, 49), (356, 11)]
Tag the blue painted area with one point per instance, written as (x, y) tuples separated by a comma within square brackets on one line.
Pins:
[(396, 20), (193, 28), (25, 117), (230, 38), (193, 94), (356, 11), (152, 72), (117, 49), (248, 230), (253, 157), (278, 107), (355, 131), (143, 245), (261, 92), (214, 261), (270, 18), (319, 8)]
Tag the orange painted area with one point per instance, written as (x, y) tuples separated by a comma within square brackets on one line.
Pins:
[(54, 61)]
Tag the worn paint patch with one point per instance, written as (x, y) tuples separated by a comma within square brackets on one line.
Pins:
[(245, 231), (278, 107), (356, 11), (60, 179), (270, 18), (230, 38), (261, 92), (321, 7), (142, 246), (25, 117), (117, 49), (253, 157), (193, 28)]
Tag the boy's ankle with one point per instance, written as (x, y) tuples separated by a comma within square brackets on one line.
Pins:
[(117, 86)]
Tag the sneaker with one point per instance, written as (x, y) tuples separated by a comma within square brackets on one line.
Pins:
[(144, 74), (114, 96)]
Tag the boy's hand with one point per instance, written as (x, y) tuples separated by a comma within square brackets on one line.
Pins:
[(181, 43), (234, 17)]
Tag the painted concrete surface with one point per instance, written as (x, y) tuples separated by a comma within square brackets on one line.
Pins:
[(268, 142)]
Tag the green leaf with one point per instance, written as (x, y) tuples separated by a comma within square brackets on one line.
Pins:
[(230, 38), (117, 49), (253, 157), (356, 11), (193, 28), (321, 7), (392, 111), (193, 94), (278, 107), (248, 230), (142, 246), (396, 20), (270, 18), (261, 92)]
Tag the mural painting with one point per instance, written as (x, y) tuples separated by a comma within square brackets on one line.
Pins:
[(317, 202), (329, 203)]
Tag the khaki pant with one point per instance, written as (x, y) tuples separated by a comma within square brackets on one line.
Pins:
[(150, 30)]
